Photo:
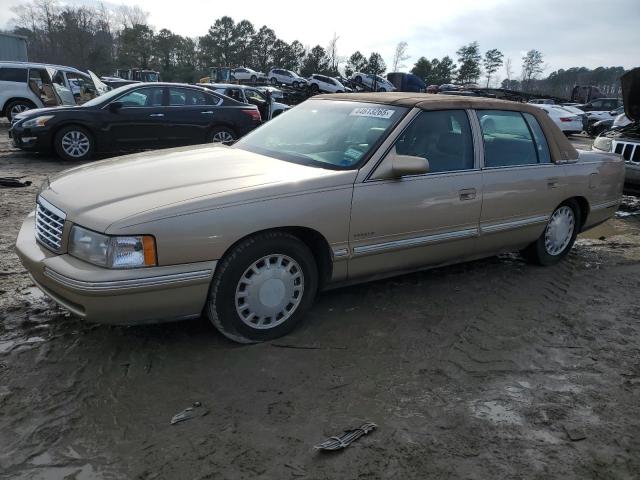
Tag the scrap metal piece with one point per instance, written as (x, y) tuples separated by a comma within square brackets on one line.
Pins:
[(13, 182), (189, 413), (348, 437)]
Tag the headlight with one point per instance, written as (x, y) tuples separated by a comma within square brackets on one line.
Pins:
[(40, 121), (112, 252), (602, 143)]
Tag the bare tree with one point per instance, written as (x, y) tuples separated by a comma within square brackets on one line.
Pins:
[(508, 69), (129, 17), (400, 56), (332, 55)]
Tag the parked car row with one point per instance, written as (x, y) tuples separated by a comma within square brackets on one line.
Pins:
[(133, 117)]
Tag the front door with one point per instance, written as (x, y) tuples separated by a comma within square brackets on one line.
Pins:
[(420, 220), (521, 185), (140, 123)]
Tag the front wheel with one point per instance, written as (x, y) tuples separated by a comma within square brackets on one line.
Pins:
[(274, 81), (254, 79), (262, 288), (74, 143), (558, 237), (295, 84)]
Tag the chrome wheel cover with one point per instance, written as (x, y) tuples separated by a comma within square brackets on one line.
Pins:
[(75, 144), (559, 230), (222, 137), (269, 291), (16, 109)]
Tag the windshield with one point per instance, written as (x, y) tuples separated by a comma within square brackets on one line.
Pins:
[(105, 97), (150, 77), (325, 133)]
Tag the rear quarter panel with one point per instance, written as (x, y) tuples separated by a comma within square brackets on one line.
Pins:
[(599, 178)]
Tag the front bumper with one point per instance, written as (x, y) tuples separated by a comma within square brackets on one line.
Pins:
[(31, 139), (123, 297)]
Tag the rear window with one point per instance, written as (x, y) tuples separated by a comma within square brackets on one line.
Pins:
[(13, 75)]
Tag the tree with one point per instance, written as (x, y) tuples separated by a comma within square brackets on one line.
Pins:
[(136, 44), (492, 61), (422, 68), (218, 45), (375, 64), (443, 70), (262, 46), (469, 58), (356, 63), (400, 56), (164, 47), (508, 69), (243, 35), (315, 62), (332, 56), (532, 66)]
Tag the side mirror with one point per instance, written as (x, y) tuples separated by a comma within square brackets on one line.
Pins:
[(115, 106), (405, 165)]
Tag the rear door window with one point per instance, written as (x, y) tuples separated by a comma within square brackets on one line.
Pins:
[(13, 75), (508, 142), (189, 98), (443, 137), (542, 147)]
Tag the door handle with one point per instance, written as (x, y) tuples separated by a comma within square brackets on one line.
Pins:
[(552, 182), (467, 194), (157, 115), (208, 112)]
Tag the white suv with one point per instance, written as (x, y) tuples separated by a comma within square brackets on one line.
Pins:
[(243, 74), (36, 85), (279, 76)]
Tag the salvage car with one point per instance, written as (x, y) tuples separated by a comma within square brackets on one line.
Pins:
[(137, 116), (625, 139), (372, 82), (325, 84), (566, 121), (382, 184), (246, 74), (24, 86), (251, 95), (279, 76)]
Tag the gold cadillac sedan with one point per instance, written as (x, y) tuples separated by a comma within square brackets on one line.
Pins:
[(342, 188)]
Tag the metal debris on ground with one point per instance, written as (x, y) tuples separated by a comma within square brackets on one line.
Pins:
[(574, 433), (344, 440), (13, 182), (196, 410)]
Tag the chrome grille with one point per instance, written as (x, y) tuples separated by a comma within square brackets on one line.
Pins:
[(49, 224), (629, 151)]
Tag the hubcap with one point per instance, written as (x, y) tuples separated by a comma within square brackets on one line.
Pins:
[(16, 109), (222, 137), (559, 230), (269, 291), (75, 144)]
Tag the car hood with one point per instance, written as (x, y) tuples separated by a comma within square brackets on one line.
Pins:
[(631, 93), (113, 194)]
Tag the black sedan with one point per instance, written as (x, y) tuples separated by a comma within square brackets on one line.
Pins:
[(134, 117)]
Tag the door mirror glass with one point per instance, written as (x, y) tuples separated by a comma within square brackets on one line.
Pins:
[(115, 106)]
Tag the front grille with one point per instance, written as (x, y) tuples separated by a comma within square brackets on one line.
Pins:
[(49, 225), (629, 151)]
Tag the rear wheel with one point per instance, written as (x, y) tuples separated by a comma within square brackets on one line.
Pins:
[(358, 79), (254, 79), (16, 107), (382, 89), (222, 135), (295, 84), (262, 288), (74, 143), (558, 237), (274, 81)]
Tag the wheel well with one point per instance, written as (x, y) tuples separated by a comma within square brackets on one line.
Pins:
[(583, 204), (13, 99), (313, 239)]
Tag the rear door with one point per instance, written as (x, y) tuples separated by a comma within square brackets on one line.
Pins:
[(426, 219), (140, 122), (521, 185), (190, 115)]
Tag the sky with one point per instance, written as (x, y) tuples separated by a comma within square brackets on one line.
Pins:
[(569, 33)]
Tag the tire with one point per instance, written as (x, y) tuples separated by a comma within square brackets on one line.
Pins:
[(254, 79), (382, 89), (17, 106), (274, 81), (222, 135), (545, 251), (295, 84), (358, 79), (74, 143), (287, 256), (314, 87)]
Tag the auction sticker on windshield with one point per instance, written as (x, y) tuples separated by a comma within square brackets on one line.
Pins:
[(372, 112)]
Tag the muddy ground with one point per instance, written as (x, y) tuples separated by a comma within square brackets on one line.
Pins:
[(493, 369)]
